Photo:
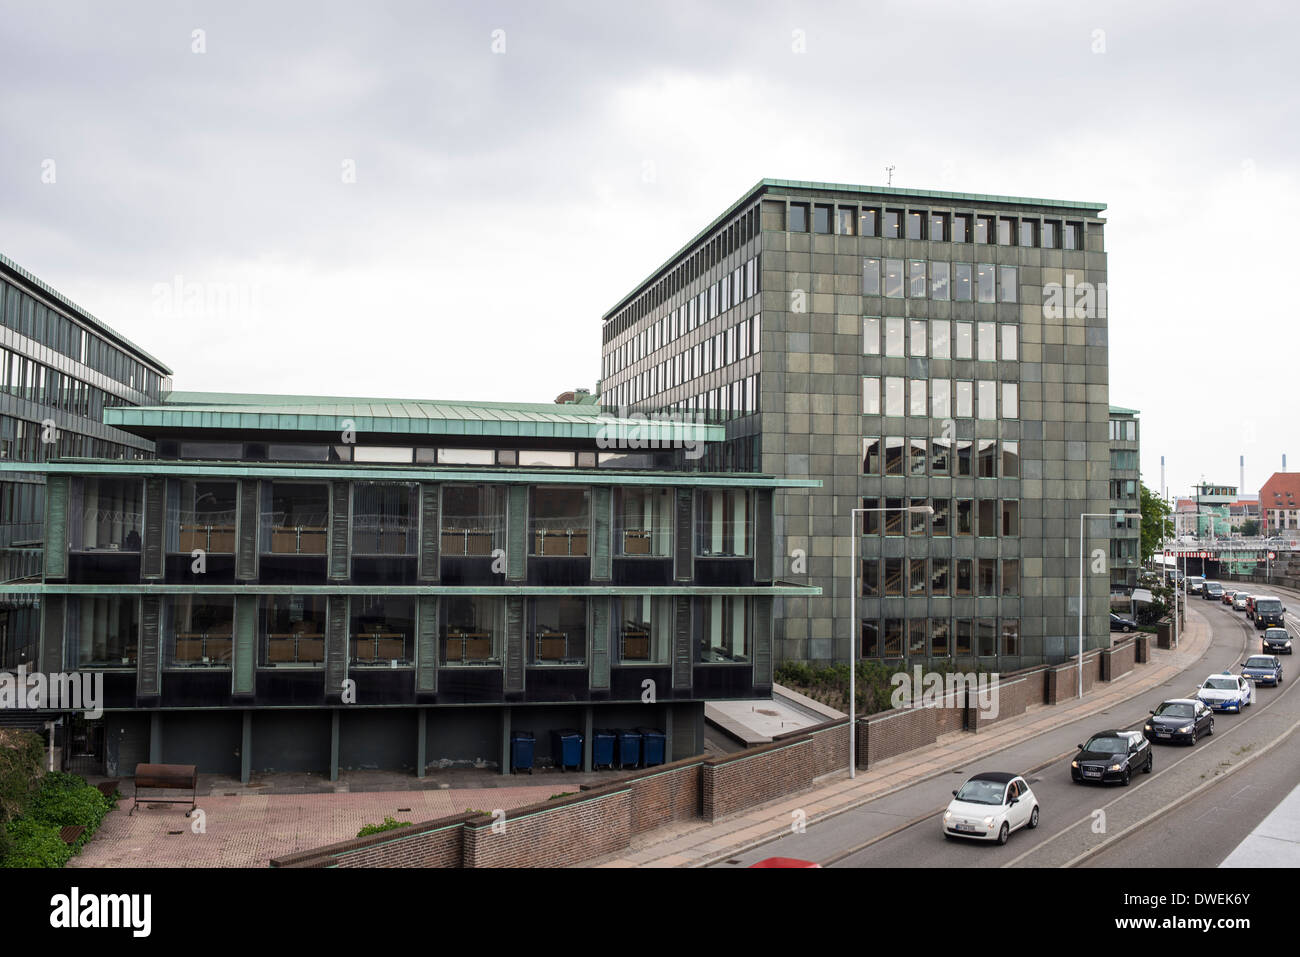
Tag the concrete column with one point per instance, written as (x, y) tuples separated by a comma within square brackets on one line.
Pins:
[(155, 737), (246, 748), (586, 738), (668, 733), (334, 744), (421, 747), (505, 740)]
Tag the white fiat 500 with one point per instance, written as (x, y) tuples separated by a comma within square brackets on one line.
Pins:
[(990, 806)]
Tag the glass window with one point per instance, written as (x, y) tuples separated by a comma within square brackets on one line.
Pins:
[(557, 631), (893, 223), (1010, 352), (1010, 637), (1072, 236), (893, 455), (871, 336), (939, 281), (893, 575), (915, 225), (987, 342), (961, 228), (963, 576), (106, 516), (893, 645), (917, 407), (870, 644), (1006, 284), (388, 453), (916, 278), (1028, 232), (1006, 232), (917, 456), (473, 519), (918, 579), (965, 408), (870, 395), (939, 228), (916, 515), (869, 222), (560, 522), (292, 631), (939, 524), (988, 577), (939, 344), (893, 395), (988, 458), (105, 628), (1010, 576), (894, 326), (965, 517), (984, 229), (963, 350), (961, 282), (381, 631), (723, 626), (870, 578), (547, 459), (645, 629), (984, 279), (871, 516), (916, 330), (871, 277), (894, 278), (198, 631), (939, 647), (1010, 400), (643, 522), (988, 393), (384, 518), (295, 519), (821, 219), (871, 456), (1051, 234), (988, 523), (1010, 459), (204, 518), (964, 636), (472, 632), (1010, 518), (722, 523), (798, 219), (846, 220)]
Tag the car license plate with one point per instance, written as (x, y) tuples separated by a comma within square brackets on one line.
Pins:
[(1163, 734), (967, 828), (1091, 774)]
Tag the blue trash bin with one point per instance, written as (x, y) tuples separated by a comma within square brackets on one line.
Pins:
[(652, 746), (629, 748), (521, 751), (566, 749), (602, 748)]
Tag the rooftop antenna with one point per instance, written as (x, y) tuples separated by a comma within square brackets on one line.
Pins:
[(889, 172)]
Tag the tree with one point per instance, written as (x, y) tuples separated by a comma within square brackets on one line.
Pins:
[(1156, 524), (1249, 528)]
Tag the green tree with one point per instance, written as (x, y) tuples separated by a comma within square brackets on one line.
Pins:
[(1249, 528), (1156, 523)]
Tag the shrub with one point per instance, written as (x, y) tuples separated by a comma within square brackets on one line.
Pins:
[(65, 799), (21, 756), (389, 824), (35, 845)]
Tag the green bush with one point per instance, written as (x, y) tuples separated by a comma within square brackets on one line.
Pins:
[(21, 757), (35, 845), (389, 824), (66, 799)]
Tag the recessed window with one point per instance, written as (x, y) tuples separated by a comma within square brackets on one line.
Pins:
[(988, 397), (1006, 284), (1010, 400), (870, 395), (965, 523), (1010, 352), (939, 227), (915, 225), (1029, 232), (1051, 234), (1072, 236), (1010, 518), (871, 336), (391, 454), (940, 398), (894, 343), (965, 409), (939, 288), (984, 229), (893, 395), (939, 525), (557, 631), (987, 342), (722, 523), (846, 218), (466, 456), (871, 277), (916, 281), (984, 279), (1006, 232), (381, 632), (869, 222), (893, 223), (798, 217), (961, 282), (1010, 459), (292, 631), (295, 519), (916, 336), (383, 518), (821, 219), (961, 228), (893, 278), (871, 456), (870, 577), (560, 522), (988, 458), (963, 343), (917, 407), (893, 455), (197, 631), (547, 459), (940, 347), (473, 519), (473, 628)]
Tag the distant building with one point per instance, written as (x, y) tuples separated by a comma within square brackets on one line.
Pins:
[(1125, 500), (1279, 503)]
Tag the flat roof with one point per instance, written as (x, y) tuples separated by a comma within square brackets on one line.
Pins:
[(98, 324), (1116, 410), (763, 185)]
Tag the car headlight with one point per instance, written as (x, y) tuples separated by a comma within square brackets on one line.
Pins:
[(1116, 767), (1185, 729), (947, 815), (1146, 727), (988, 821), (1074, 764)]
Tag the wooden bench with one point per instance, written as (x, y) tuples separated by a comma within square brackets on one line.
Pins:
[(167, 776)]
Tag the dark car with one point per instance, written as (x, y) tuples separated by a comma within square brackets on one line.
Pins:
[(1179, 721), (1277, 641), (1263, 670), (1112, 756), (1121, 623), (1213, 591)]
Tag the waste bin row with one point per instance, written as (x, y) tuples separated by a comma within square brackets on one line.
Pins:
[(610, 748)]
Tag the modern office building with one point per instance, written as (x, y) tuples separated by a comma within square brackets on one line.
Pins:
[(60, 368), (912, 350), (1125, 500), (305, 583)]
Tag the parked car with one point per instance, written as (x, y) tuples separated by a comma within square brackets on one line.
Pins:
[(1239, 601), (1122, 623), (1112, 756), (990, 806), (1212, 591), (1276, 641), (1226, 692), (1180, 720), (1263, 670)]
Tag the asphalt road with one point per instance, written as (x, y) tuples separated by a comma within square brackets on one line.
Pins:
[(903, 829)]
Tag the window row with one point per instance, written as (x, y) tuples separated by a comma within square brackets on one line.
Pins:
[(1123, 430), (896, 337), (694, 362), (25, 441), (940, 638), (922, 577), (976, 458), (28, 379), (983, 518), (919, 279), (939, 227), (198, 631), (939, 398)]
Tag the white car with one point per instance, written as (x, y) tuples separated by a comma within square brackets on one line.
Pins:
[(1239, 601), (1226, 692), (990, 806)]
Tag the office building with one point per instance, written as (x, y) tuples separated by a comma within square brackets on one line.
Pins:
[(1125, 500), (912, 350)]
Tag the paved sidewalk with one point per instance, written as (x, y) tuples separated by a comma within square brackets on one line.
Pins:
[(693, 844)]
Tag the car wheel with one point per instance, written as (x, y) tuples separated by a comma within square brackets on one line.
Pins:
[(1033, 818), (1126, 778), (1004, 833), (1210, 729)]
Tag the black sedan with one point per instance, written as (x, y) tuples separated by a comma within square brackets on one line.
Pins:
[(1179, 721), (1120, 623), (1111, 756)]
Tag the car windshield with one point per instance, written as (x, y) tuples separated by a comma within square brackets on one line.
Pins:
[(1277, 633), (1220, 684), (1269, 606), (1107, 743), (981, 792), (1174, 710), (1259, 662)]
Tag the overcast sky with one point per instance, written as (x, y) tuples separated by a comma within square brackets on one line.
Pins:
[(440, 201)]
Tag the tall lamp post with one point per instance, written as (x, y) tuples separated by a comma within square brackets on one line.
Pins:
[(1082, 516), (853, 623)]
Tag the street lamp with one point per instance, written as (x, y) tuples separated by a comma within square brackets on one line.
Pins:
[(1082, 516), (853, 622)]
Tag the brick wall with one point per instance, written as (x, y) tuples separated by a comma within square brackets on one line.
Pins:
[(747, 778), (427, 844), (554, 834), (1014, 696), (1118, 660), (667, 793), (1063, 679), (896, 732), (1142, 649)]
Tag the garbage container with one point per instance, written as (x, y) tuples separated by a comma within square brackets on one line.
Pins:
[(629, 748), (521, 751), (652, 746), (566, 748), (602, 748)]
